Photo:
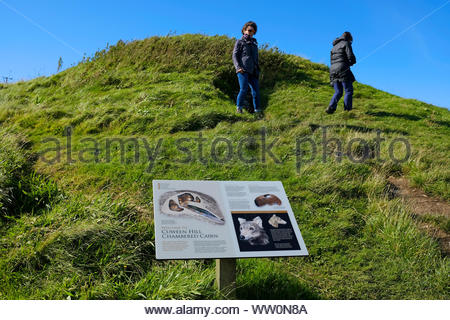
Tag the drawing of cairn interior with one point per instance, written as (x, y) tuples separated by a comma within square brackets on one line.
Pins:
[(192, 204)]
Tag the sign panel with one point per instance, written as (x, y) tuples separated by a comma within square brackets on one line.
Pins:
[(224, 219)]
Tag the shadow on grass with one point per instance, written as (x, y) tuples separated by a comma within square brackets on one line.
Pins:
[(263, 279), (314, 127), (207, 120), (275, 287), (442, 123), (395, 115)]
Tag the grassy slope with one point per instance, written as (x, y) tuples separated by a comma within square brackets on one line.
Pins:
[(92, 235)]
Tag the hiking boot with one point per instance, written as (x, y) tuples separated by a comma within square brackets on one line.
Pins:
[(239, 110), (347, 109), (330, 110)]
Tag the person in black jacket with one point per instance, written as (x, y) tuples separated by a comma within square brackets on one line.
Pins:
[(341, 77), (245, 60)]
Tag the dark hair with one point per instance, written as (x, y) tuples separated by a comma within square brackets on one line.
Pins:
[(347, 36), (249, 24)]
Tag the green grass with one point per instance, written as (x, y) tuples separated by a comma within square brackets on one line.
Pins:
[(84, 230)]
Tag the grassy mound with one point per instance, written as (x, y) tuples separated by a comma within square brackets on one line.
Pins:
[(77, 222)]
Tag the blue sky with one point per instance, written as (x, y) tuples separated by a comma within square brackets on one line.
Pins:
[(415, 64)]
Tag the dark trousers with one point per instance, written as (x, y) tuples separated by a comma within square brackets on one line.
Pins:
[(246, 80), (339, 88)]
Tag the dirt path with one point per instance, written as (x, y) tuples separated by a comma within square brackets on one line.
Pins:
[(423, 205)]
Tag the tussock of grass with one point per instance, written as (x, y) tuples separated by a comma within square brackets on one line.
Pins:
[(21, 189)]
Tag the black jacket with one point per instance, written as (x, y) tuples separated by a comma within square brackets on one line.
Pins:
[(245, 56), (342, 58)]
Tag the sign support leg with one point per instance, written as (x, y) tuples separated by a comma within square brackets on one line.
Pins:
[(226, 277)]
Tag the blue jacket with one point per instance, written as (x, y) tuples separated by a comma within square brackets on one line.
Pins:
[(245, 56)]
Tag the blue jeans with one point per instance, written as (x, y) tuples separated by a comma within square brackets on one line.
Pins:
[(246, 80), (338, 91)]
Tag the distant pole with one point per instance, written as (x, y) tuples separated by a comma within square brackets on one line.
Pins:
[(226, 277), (60, 64), (6, 79)]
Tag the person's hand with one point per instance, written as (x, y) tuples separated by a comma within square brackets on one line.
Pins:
[(240, 71)]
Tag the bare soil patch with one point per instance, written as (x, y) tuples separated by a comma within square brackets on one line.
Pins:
[(423, 205)]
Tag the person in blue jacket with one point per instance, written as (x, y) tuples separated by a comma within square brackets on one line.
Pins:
[(341, 77), (245, 60)]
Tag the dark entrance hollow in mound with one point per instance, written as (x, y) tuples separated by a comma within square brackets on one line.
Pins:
[(275, 68), (226, 81)]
